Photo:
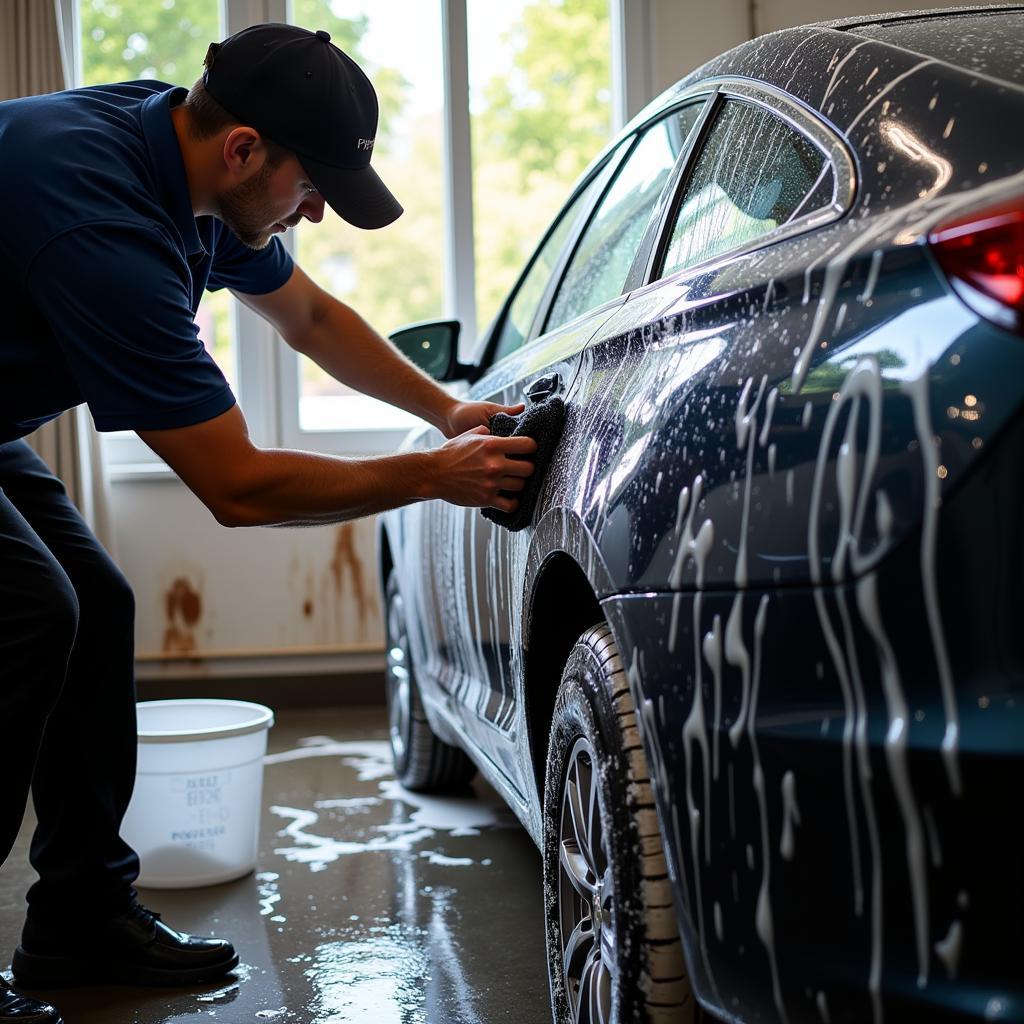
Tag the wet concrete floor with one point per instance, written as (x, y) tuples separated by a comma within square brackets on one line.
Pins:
[(368, 903)]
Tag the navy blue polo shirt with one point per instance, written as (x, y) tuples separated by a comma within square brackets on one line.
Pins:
[(102, 264)]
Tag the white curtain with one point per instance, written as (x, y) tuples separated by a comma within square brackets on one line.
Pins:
[(34, 58), (31, 59)]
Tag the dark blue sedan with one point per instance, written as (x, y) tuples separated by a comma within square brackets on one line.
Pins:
[(753, 676)]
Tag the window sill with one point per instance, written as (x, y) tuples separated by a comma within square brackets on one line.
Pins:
[(139, 471), (345, 443)]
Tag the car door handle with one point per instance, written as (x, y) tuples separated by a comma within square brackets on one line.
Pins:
[(543, 387)]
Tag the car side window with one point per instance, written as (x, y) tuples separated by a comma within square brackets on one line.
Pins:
[(755, 173), (523, 307), (598, 269)]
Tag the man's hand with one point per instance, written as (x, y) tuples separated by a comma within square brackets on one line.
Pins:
[(465, 416), (473, 467)]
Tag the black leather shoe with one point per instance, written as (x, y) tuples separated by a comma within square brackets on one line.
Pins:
[(136, 948), (22, 1010)]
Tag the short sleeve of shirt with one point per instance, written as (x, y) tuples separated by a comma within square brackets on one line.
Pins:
[(251, 271), (116, 296)]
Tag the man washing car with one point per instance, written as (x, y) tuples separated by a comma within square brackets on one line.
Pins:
[(121, 204)]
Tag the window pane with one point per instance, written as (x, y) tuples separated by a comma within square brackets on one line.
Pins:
[(524, 306), (127, 39), (540, 111), (215, 319), (602, 260), (391, 276), (753, 174), (123, 40)]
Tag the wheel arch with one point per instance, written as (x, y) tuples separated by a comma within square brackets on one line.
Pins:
[(385, 559), (565, 578), (563, 606)]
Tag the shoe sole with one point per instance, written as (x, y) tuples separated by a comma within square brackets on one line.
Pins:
[(36, 971)]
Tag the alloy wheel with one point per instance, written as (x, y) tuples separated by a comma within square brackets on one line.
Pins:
[(399, 685), (585, 892)]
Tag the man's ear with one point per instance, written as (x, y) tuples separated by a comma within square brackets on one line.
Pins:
[(242, 150)]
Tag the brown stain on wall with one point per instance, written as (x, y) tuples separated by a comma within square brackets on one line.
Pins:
[(183, 608), (309, 605), (347, 558)]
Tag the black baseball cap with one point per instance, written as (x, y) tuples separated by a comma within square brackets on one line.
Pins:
[(297, 88)]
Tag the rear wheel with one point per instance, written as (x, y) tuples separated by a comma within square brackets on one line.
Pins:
[(422, 762), (614, 954)]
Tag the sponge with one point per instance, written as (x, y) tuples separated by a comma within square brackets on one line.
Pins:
[(544, 422)]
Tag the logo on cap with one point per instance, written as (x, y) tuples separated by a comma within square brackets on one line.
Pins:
[(365, 143)]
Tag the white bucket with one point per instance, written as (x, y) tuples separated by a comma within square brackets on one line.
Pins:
[(194, 818)]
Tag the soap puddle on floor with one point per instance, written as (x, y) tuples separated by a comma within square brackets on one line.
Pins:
[(415, 818)]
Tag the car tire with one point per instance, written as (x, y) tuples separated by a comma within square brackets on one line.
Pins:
[(607, 894), (423, 763)]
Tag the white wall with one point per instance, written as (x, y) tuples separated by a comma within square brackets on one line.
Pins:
[(680, 35)]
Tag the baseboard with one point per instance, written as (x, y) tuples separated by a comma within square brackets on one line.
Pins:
[(346, 689), (282, 662)]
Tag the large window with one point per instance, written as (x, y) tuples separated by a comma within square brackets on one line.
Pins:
[(530, 78), (540, 110), (392, 276), (535, 127)]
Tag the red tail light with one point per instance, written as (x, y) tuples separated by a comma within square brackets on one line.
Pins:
[(983, 256)]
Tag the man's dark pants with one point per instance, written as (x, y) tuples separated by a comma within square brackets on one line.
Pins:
[(67, 696)]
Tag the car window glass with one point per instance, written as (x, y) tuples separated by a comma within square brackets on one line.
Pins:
[(605, 253), (524, 305), (753, 174)]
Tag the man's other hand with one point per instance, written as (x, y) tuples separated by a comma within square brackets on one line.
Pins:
[(469, 415), (475, 466)]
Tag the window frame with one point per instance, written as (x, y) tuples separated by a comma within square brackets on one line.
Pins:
[(458, 281), (268, 370), (634, 138), (803, 120), (607, 162)]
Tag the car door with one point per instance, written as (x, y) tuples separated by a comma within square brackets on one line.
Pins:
[(579, 299)]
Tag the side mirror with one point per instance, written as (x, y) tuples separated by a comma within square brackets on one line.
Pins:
[(433, 346)]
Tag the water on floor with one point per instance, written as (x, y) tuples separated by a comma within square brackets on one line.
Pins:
[(369, 903)]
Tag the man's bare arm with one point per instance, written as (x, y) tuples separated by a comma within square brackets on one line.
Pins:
[(243, 485)]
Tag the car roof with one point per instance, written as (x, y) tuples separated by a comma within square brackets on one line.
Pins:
[(931, 13), (982, 40)]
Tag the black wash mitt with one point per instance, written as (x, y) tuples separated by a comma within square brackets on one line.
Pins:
[(543, 421)]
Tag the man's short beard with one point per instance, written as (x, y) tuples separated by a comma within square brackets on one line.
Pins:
[(245, 210)]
